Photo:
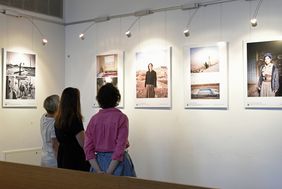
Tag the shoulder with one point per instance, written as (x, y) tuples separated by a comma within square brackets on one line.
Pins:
[(118, 113), (122, 115), (43, 117)]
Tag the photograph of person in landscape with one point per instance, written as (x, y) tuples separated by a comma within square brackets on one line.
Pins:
[(152, 74)]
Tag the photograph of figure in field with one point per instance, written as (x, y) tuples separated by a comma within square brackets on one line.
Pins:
[(19, 76), (205, 91), (152, 74), (264, 69), (204, 59), (107, 70)]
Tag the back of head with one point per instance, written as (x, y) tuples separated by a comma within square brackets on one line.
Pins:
[(51, 104), (70, 99), (69, 107), (108, 96)]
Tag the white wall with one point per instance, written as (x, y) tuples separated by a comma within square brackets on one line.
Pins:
[(20, 126), (230, 149)]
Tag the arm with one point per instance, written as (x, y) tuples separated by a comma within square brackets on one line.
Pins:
[(275, 79), (112, 166), (260, 79), (89, 147), (55, 145), (155, 79), (80, 138), (95, 165), (146, 79), (122, 141), (54, 141)]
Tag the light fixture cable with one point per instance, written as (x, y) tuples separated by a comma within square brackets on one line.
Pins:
[(94, 21), (257, 9), (187, 31), (82, 34), (128, 32), (254, 18), (44, 40)]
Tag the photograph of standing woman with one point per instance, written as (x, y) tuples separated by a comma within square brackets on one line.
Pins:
[(264, 68), (268, 83), (152, 75), (150, 81)]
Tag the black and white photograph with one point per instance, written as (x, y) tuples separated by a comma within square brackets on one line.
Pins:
[(19, 79)]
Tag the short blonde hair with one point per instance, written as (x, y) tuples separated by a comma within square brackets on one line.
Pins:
[(51, 103)]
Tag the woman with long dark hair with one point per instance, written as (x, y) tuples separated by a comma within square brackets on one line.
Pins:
[(70, 132)]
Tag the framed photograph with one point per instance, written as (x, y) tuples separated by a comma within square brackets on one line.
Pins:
[(109, 69), (19, 79), (153, 78), (263, 74), (205, 76)]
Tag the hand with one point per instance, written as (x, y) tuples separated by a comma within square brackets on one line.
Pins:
[(100, 172)]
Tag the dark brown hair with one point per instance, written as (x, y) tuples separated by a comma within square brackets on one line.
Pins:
[(69, 108)]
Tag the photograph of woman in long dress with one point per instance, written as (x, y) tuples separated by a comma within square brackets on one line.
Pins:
[(268, 83), (264, 68)]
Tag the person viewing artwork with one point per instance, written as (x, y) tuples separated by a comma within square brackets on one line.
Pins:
[(49, 141), (70, 132), (268, 83), (150, 81), (106, 136)]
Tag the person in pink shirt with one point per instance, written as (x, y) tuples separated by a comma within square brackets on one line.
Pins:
[(106, 136)]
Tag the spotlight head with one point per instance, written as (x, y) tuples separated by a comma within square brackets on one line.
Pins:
[(254, 22), (44, 41), (81, 36), (186, 33), (128, 33)]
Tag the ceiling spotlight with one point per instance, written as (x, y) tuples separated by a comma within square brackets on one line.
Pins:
[(128, 33), (186, 33), (81, 36), (44, 41), (254, 22)]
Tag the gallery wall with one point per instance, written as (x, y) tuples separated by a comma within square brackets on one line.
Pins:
[(225, 148), (20, 126)]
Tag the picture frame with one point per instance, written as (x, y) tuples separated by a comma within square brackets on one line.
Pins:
[(109, 68), (18, 78), (205, 75), (153, 87), (263, 90)]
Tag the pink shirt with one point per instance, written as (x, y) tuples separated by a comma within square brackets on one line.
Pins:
[(107, 131)]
